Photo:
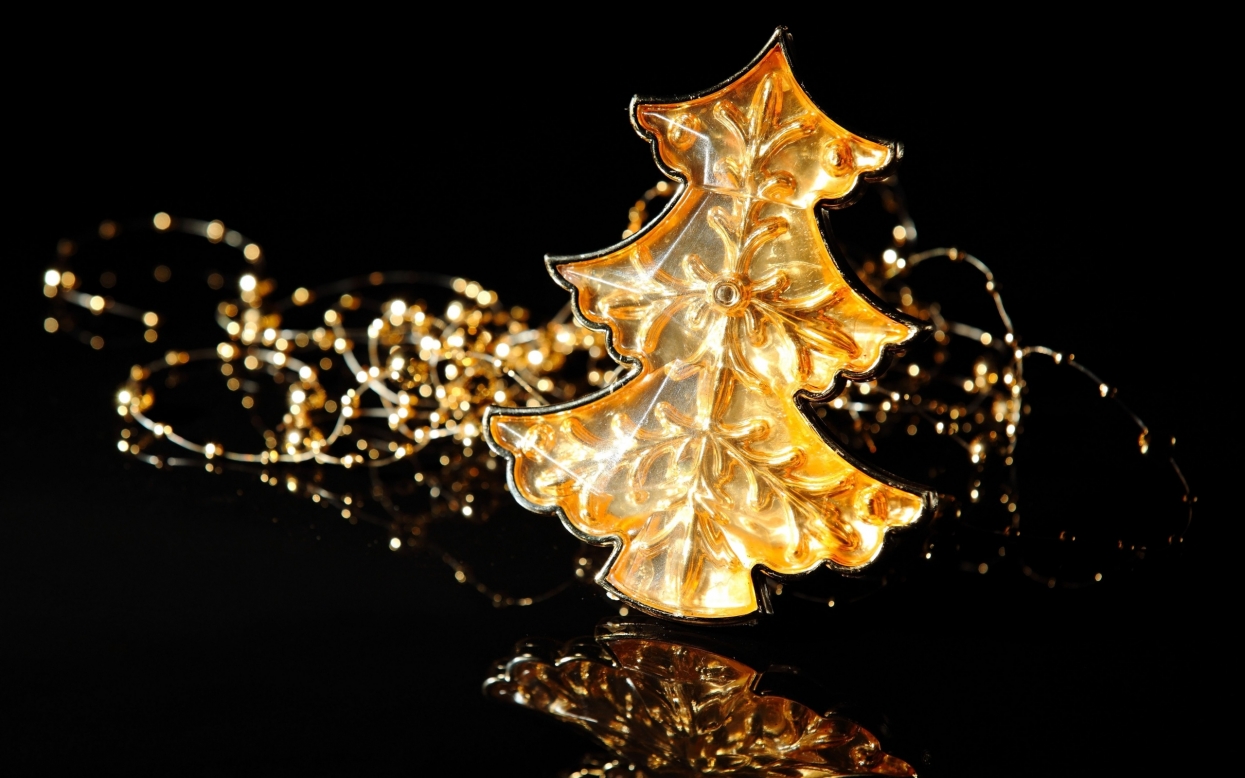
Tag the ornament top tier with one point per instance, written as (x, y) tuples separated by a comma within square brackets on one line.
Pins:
[(760, 136), (704, 462)]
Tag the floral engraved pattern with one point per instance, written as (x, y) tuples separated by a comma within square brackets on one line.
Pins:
[(700, 466), (665, 708)]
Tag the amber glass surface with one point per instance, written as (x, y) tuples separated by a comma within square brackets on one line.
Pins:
[(673, 709), (699, 465)]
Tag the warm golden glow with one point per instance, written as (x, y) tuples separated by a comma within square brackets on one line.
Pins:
[(702, 466), (665, 708)]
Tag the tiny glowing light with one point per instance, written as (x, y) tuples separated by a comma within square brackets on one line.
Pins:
[(983, 568), (347, 411), (68, 279), (304, 373), (247, 283), (986, 339), (503, 349), (889, 256), (123, 446), (1097, 576), (914, 370), (301, 296), (1104, 389), (124, 397), (467, 510), (150, 319), (97, 303), (278, 359), (161, 221), (499, 396), (397, 307), (215, 230), (900, 233), (209, 450), (455, 311), (535, 357), (52, 278), (251, 252), (51, 325), (298, 395), (395, 544)]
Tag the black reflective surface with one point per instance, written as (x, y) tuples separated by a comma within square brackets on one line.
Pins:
[(184, 623)]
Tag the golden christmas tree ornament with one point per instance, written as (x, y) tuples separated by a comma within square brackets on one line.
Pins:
[(704, 462)]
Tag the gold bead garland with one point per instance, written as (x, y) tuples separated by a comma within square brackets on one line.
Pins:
[(372, 387)]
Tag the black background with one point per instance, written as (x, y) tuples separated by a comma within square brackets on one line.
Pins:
[(152, 622)]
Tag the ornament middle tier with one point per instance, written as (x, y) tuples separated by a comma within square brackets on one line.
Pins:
[(704, 461)]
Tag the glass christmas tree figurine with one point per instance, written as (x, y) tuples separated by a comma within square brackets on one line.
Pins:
[(704, 462)]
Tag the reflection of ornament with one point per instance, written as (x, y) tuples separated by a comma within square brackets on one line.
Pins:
[(703, 464), (665, 708)]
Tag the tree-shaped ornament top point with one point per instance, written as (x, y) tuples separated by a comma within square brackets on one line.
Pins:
[(703, 463)]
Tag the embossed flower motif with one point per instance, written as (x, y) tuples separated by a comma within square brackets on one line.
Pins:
[(749, 318)]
